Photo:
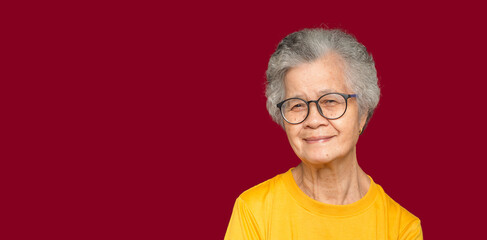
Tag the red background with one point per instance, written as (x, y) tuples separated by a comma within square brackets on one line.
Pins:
[(146, 120)]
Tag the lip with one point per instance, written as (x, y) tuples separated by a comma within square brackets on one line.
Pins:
[(318, 139)]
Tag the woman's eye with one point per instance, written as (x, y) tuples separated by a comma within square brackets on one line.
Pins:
[(297, 107), (329, 102)]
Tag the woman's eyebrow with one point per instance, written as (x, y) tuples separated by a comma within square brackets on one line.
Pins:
[(320, 93), (302, 96), (325, 91)]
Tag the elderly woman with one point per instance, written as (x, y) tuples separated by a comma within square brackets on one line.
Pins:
[(322, 89)]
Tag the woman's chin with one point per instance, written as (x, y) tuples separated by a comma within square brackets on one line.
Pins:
[(317, 160)]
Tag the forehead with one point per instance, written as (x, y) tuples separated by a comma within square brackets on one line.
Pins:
[(310, 80)]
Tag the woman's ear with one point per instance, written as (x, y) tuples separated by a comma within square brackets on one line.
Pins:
[(363, 122)]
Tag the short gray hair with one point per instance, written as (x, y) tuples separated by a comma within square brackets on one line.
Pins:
[(308, 45)]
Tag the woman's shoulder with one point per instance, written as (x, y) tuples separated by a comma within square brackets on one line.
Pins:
[(264, 191), (396, 214), (394, 206)]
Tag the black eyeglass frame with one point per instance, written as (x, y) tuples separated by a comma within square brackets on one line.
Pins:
[(345, 96)]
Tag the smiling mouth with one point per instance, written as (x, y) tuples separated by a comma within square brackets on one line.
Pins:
[(318, 139)]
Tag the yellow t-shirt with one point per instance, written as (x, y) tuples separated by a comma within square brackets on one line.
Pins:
[(278, 209)]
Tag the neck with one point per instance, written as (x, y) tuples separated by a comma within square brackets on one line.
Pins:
[(339, 182)]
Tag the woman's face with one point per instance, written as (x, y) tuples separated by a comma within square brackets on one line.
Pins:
[(317, 140)]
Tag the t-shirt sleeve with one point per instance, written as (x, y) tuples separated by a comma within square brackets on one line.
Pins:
[(243, 224), (412, 232)]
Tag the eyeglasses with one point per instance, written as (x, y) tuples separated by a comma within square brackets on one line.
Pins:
[(330, 106)]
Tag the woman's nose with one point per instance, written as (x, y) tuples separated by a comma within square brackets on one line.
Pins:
[(315, 119)]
